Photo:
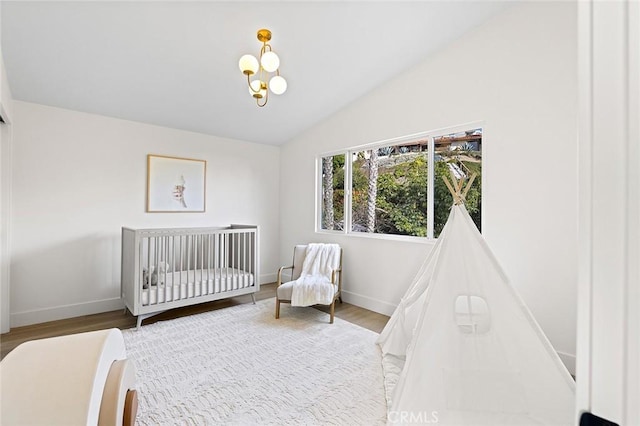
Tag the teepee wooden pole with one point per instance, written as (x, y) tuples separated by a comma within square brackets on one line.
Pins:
[(460, 184), (454, 180), (468, 187), (454, 193)]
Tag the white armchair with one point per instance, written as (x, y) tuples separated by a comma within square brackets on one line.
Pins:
[(285, 290)]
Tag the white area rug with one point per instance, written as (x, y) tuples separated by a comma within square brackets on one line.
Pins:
[(241, 366)]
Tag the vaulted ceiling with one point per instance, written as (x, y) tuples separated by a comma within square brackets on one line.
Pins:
[(175, 63)]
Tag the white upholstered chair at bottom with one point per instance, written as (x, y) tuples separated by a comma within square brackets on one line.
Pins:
[(284, 290)]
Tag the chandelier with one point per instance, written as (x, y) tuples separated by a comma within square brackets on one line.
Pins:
[(263, 68)]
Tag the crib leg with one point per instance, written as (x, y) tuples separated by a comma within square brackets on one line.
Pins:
[(253, 297), (139, 323)]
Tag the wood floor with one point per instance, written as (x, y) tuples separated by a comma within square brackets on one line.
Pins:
[(119, 319)]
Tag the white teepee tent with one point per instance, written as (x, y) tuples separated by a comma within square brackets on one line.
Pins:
[(465, 348)]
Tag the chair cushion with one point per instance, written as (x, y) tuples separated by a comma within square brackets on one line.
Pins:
[(285, 290)]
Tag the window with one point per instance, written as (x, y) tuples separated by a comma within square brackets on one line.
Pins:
[(461, 154), (396, 188), (332, 192), (472, 314), (389, 190)]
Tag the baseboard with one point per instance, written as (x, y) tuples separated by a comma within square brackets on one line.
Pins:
[(366, 302), (37, 316), (268, 278), (569, 361)]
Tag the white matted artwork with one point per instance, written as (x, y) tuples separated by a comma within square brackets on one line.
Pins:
[(175, 184)]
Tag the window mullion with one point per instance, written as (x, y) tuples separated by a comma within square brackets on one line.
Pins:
[(430, 187), (347, 191), (319, 193)]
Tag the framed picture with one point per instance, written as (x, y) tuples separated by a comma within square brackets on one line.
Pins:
[(175, 184)]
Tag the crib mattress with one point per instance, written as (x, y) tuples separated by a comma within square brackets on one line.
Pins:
[(180, 285)]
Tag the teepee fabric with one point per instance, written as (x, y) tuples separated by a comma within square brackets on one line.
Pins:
[(473, 353)]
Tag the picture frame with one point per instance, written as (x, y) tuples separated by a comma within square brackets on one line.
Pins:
[(175, 184)]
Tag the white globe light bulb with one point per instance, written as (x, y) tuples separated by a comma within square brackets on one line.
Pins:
[(248, 64), (270, 61), (278, 85), (258, 89)]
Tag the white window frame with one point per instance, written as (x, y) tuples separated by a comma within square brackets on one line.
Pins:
[(430, 136)]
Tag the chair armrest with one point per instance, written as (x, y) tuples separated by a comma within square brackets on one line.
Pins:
[(334, 272), (280, 274)]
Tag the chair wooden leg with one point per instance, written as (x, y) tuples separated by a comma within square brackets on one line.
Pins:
[(277, 308), (333, 306)]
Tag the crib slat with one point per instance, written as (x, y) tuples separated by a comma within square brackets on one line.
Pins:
[(226, 261), (149, 268), (203, 283), (190, 268), (214, 242), (140, 289), (233, 262), (157, 267), (202, 251), (196, 252), (245, 267), (216, 266), (236, 265), (251, 268), (216, 251), (208, 260), (172, 264), (181, 261), (194, 260)]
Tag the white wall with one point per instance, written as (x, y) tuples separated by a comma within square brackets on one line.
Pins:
[(5, 91), (517, 73), (608, 380), (78, 178), (5, 195)]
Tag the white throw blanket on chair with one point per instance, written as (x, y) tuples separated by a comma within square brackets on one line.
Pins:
[(314, 285)]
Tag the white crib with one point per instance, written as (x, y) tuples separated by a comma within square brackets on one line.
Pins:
[(169, 268)]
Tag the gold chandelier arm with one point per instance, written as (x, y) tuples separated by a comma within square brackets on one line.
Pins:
[(266, 99)]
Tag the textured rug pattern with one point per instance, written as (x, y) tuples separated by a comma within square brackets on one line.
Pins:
[(241, 366)]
